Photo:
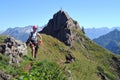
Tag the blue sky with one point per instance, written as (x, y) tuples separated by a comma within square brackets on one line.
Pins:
[(89, 13)]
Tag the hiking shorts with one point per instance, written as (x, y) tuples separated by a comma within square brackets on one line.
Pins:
[(35, 44)]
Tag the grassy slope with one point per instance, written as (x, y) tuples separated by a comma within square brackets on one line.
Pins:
[(2, 38), (100, 59), (55, 51), (90, 59)]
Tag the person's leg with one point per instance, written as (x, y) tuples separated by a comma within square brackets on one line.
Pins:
[(36, 50), (35, 53), (33, 50)]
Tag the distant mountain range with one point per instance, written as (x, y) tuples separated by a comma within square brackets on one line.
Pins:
[(1, 32), (20, 33), (93, 33), (110, 41)]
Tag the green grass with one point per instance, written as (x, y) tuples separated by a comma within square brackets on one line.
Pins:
[(44, 70), (90, 59), (2, 38), (96, 56)]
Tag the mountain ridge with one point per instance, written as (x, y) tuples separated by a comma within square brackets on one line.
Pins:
[(93, 33), (84, 46), (61, 26), (110, 41), (91, 62), (20, 33)]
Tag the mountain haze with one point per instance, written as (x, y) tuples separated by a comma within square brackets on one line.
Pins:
[(110, 41), (20, 33), (93, 33)]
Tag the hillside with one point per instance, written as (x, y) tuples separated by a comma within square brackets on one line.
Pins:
[(90, 63), (110, 41), (72, 57)]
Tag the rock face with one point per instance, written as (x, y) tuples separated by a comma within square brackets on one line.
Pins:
[(61, 27), (4, 76), (15, 49)]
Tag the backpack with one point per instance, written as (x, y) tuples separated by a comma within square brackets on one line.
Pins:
[(30, 39)]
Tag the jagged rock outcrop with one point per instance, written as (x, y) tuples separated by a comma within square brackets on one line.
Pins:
[(15, 49), (102, 76), (61, 27), (4, 76), (69, 58)]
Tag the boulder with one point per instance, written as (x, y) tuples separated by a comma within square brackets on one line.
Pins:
[(4, 76), (15, 49), (69, 58)]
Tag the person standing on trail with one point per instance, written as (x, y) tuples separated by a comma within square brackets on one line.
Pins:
[(33, 41)]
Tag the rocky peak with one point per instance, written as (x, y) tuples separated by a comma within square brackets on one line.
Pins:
[(60, 27)]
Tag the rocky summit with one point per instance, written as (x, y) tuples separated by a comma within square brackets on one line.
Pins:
[(15, 49), (60, 27)]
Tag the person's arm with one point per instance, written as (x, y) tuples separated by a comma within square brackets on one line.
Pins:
[(28, 40), (40, 37)]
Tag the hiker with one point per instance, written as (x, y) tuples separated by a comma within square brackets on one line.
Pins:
[(33, 41)]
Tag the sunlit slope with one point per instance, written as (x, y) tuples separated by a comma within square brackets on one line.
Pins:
[(90, 59), (92, 62)]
